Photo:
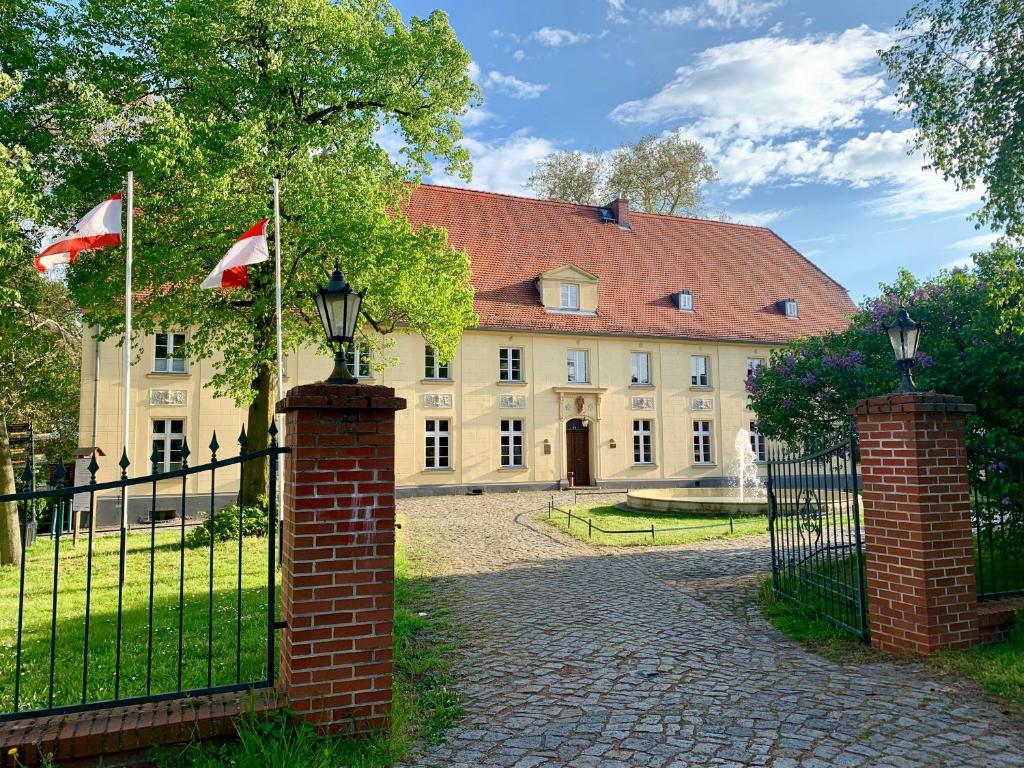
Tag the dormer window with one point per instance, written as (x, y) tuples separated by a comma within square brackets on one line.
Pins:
[(570, 295), (684, 300), (568, 289), (789, 308)]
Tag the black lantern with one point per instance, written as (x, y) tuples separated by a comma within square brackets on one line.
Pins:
[(904, 335), (338, 305)]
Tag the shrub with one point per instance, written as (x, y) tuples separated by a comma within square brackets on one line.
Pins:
[(224, 524)]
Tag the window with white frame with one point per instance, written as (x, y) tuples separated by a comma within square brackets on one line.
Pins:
[(702, 442), (699, 376), (639, 368), (577, 368), (757, 443), (570, 296), (167, 357), (168, 438), (359, 360), (790, 308), (510, 364), (437, 455), (643, 452), (753, 363), (433, 366), (512, 443)]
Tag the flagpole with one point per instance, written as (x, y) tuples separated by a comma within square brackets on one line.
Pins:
[(128, 325), (277, 308)]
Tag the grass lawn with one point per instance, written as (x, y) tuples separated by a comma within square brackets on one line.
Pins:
[(688, 528), (424, 707), (68, 639), (998, 668)]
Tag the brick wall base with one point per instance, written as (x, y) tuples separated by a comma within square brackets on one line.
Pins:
[(997, 618), (110, 736)]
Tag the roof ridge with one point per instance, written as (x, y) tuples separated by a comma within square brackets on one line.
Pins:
[(524, 198), (550, 201)]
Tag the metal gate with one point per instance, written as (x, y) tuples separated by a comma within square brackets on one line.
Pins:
[(174, 608), (815, 526)]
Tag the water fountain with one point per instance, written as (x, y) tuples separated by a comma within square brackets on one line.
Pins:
[(745, 494), (745, 467)]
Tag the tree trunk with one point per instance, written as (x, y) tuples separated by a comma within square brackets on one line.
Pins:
[(255, 480), (10, 536)]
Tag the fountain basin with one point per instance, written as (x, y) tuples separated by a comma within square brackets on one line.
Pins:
[(698, 501)]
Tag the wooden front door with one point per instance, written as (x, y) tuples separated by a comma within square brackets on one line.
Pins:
[(577, 440)]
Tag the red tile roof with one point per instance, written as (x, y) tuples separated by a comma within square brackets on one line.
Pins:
[(737, 273)]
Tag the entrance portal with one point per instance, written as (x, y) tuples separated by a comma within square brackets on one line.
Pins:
[(577, 442)]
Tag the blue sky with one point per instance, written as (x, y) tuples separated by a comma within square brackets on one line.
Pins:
[(788, 97)]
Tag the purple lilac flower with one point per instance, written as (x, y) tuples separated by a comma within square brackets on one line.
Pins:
[(925, 359), (787, 404), (809, 380)]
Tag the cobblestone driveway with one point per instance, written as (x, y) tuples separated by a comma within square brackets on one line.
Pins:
[(572, 656)]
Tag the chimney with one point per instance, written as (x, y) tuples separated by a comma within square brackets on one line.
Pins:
[(620, 210)]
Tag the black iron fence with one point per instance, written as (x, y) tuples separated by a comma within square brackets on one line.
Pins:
[(996, 481), (815, 526), (153, 613)]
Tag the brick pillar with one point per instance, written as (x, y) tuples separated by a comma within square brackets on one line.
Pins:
[(919, 547), (337, 567)]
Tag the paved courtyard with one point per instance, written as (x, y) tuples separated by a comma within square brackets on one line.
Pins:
[(571, 656)]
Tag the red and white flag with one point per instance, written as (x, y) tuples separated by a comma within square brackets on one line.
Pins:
[(232, 271), (99, 228)]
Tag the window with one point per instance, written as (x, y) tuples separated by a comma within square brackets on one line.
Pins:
[(512, 443), (684, 300), (167, 358), (433, 368), (437, 456), (699, 371), (702, 442), (168, 437), (753, 363), (639, 368), (570, 294), (510, 364), (576, 363), (789, 308), (359, 360), (757, 443), (642, 451)]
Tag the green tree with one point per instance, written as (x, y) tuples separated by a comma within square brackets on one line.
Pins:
[(208, 102), (39, 336), (958, 65), (805, 392), (657, 174)]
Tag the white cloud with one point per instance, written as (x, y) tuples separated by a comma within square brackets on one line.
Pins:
[(473, 70), (519, 54), (975, 244), (882, 160), (717, 14), (554, 37), (743, 163), (503, 165), (769, 86), (513, 86), (475, 116), (617, 12)]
